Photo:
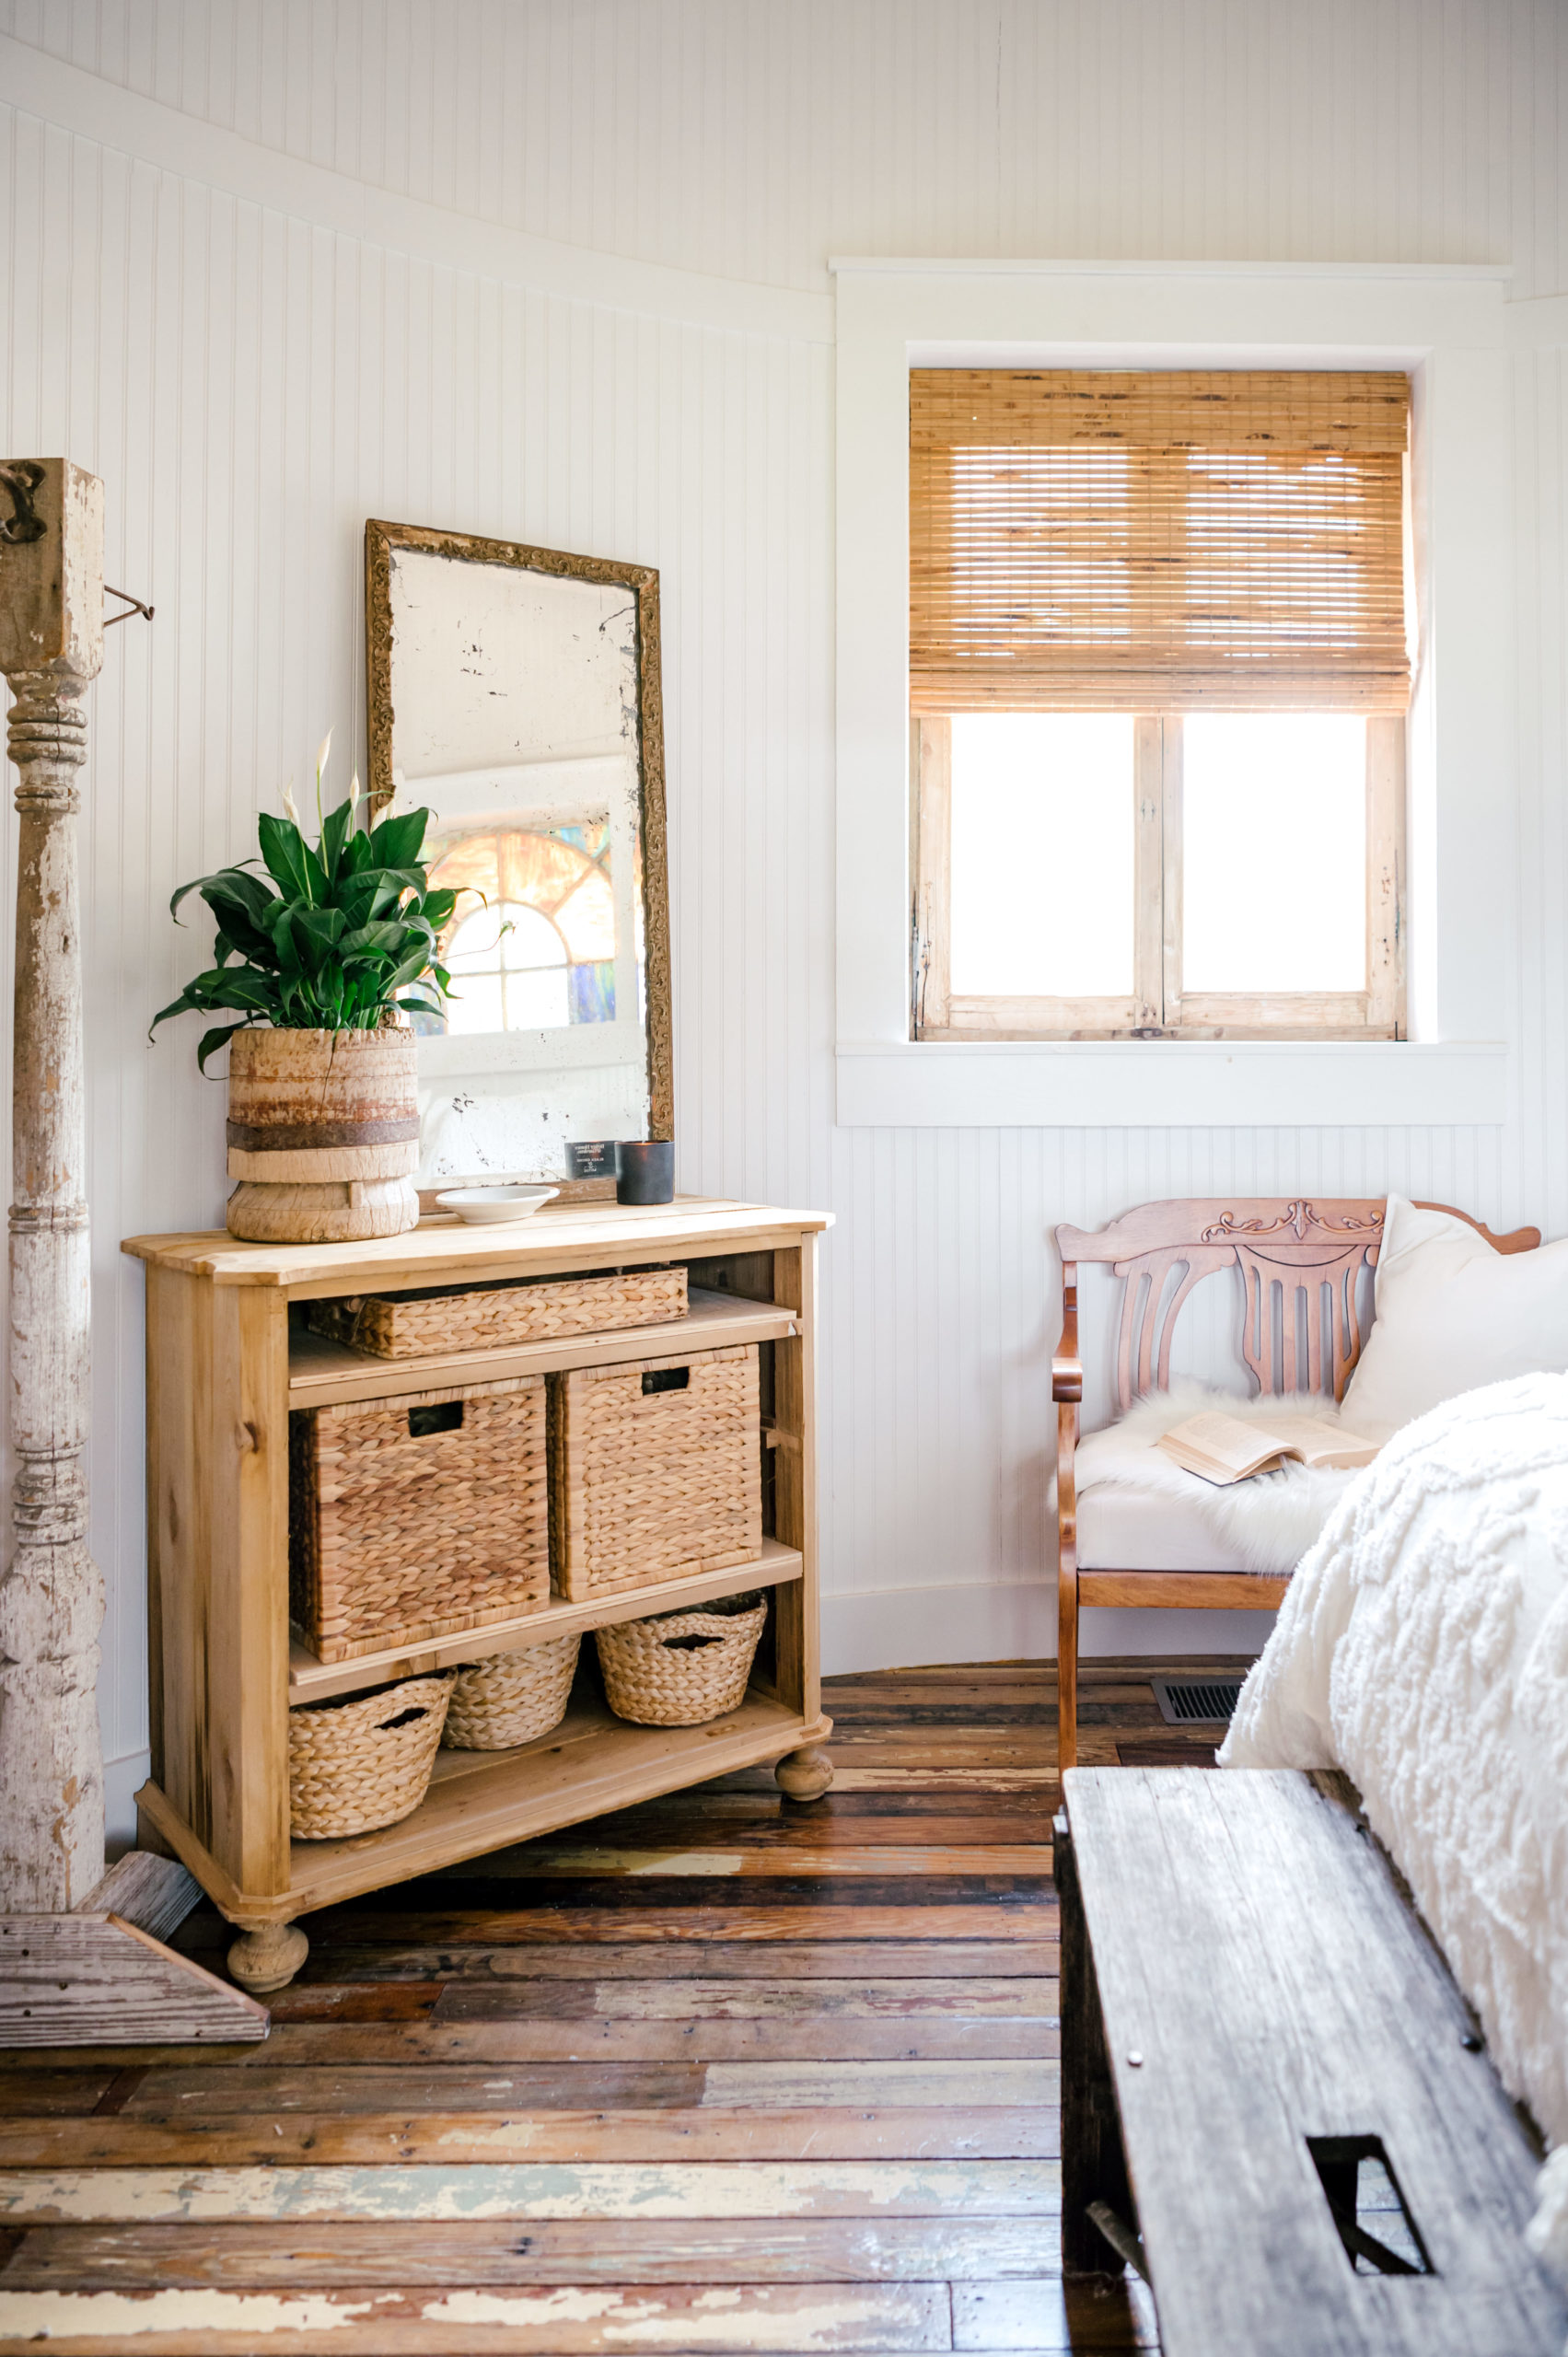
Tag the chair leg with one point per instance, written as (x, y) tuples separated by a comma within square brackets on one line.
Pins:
[(1067, 1670)]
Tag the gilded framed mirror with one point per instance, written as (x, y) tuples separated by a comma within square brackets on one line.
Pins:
[(513, 691)]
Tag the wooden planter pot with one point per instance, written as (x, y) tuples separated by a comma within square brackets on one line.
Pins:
[(323, 1135)]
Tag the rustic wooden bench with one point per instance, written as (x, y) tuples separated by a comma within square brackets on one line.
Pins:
[(1274, 2101)]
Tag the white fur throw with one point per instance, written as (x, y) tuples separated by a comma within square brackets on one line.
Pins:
[(1269, 1521), (1422, 1647)]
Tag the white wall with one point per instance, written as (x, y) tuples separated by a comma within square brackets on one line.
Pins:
[(270, 270)]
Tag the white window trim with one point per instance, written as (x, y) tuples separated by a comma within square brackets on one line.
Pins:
[(1447, 326)]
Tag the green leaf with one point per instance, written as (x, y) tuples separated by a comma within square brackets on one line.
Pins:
[(183, 1004), (397, 841), (438, 907), (335, 835), (400, 881), (289, 959), (282, 848), (357, 853), (233, 877), (321, 927), (219, 1037), (235, 926), (409, 971), (383, 940)]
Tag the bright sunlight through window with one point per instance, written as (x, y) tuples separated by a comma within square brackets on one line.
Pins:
[(1274, 865), (1042, 854)]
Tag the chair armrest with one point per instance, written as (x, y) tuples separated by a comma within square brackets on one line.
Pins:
[(1066, 1367)]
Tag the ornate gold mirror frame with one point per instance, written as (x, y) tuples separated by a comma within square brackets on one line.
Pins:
[(381, 540)]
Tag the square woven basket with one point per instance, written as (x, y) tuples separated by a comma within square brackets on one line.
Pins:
[(478, 1318), (654, 1470), (412, 1517)]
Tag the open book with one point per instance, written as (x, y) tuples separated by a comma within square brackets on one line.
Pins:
[(1224, 1448)]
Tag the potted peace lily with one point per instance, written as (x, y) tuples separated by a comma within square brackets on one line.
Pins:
[(320, 962)]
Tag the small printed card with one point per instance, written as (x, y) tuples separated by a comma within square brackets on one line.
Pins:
[(591, 1159)]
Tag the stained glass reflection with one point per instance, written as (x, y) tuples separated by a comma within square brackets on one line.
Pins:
[(536, 952)]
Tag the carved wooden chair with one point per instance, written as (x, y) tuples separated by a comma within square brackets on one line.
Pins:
[(1301, 1265)]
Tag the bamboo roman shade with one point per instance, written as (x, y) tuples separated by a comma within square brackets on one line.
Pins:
[(1143, 541)]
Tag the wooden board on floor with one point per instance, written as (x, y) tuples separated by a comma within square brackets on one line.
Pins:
[(65, 1977)]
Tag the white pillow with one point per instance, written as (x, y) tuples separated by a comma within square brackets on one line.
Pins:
[(1452, 1315)]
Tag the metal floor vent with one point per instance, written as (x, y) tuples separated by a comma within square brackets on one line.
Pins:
[(1191, 1702)]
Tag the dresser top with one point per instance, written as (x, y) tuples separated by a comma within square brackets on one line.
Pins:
[(444, 1250)]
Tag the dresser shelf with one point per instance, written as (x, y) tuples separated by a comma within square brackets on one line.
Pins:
[(225, 1368), (310, 1681), (322, 1373), (482, 1800)]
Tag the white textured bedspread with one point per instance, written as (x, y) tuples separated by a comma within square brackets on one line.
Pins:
[(1422, 1647)]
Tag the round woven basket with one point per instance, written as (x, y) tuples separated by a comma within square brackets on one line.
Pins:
[(681, 1668), (511, 1698), (354, 1767)]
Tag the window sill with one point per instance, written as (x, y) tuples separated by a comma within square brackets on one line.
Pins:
[(1169, 1083)]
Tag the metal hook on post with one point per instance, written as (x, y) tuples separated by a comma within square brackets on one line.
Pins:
[(132, 606)]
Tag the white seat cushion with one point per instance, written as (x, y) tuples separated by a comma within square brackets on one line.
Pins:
[(1124, 1530), (1138, 1511)]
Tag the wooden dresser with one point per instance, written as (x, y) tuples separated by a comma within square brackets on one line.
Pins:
[(227, 1363)]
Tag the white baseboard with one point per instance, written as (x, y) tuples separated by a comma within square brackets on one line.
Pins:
[(1010, 1621)]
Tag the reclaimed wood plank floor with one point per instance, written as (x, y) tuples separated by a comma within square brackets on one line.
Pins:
[(719, 2074)]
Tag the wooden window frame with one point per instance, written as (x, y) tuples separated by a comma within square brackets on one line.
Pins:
[(1158, 1007)]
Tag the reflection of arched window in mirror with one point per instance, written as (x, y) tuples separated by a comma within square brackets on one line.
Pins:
[(539, 951)]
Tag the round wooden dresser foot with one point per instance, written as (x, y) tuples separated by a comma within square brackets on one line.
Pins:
[(267, 1956), (804, 1775)]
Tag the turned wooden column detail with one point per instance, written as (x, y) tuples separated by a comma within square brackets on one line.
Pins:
[(50, 1591)]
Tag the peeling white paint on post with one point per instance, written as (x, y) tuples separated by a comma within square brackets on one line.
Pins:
[(447, 2196), (50, 1591)]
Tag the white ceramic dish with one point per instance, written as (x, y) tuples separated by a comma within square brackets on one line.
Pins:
[(481, 1206)]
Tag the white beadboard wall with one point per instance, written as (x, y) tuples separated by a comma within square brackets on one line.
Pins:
[(271, 270)]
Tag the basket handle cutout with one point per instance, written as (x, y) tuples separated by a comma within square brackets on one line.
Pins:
[(444, 1416), (406, 1718), (666, 1379)]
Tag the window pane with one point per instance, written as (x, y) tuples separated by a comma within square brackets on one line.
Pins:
[(1042, 854), (1274, 852)]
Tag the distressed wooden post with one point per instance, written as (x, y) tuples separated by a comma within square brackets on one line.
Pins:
[(50, 1590), (82, 1960)]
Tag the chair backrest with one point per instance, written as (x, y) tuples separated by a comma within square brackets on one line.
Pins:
[(1293, 1255)]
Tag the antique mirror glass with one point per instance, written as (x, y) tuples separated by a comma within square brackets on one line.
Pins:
[(515, 692)]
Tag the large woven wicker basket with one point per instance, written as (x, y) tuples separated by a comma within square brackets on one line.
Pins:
[(655, 1471), (414, 1517), (680, 1669), (475, 1318), (511, 1698), (354, 1767)]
